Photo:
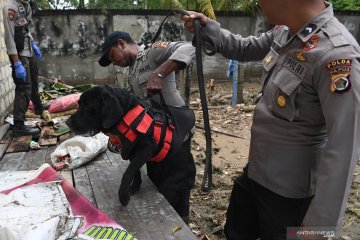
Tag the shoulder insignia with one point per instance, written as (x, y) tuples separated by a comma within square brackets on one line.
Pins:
[(160, 45), (309, 29), (340, 75), (11, 13), (312, 43)]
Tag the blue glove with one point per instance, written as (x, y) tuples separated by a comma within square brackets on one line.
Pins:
[(20, 71), (36, 50)]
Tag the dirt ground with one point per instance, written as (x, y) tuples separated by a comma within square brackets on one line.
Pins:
[(231, 137)]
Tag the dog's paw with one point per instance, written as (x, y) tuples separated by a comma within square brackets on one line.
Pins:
[(124, 198)]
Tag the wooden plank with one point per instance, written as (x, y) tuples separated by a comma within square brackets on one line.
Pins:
[(7, 138), (33, 160), (3, 148), (47, 137), (148, 215), (19, 144), (50, 149), (4, 129), (82, 183), (11, 161)]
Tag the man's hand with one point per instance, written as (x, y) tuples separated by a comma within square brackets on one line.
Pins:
[(20, 71), (36, 50), (154, 84), (189, 20)]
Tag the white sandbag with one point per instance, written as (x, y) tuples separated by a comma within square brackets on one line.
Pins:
[(37, 212), (78, 150)]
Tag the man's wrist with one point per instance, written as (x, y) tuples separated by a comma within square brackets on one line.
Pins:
[(159, 75), (17, 63)]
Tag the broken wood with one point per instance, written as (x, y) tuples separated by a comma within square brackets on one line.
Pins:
[(222, 132), (19, 144), (47, 137)]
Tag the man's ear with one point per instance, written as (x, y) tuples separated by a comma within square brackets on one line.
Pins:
[(111, 111), (121, 43)]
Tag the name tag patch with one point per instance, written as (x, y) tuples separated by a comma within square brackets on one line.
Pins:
[(339, 70), (296, 67), (160, 45)]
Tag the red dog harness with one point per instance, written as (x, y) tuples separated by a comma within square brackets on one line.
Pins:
[(137, 122)]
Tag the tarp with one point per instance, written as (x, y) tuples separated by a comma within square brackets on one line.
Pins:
[(42, 205)]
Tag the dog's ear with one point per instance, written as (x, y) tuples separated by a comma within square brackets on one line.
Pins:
[(111, 110)]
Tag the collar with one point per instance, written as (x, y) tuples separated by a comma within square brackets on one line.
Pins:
[(317, 22)]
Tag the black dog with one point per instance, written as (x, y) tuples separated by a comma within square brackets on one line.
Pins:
[(111, 111)]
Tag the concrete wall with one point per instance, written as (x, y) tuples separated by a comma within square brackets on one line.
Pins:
[(6, 83), (71, 41)]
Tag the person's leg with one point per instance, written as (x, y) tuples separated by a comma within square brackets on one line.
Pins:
[(276, 213), (21, 102), (35, 97), (242, 221)]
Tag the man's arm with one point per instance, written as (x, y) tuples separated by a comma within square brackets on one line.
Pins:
[(170, 57), (337, 80), (9, 14), (230, 45)]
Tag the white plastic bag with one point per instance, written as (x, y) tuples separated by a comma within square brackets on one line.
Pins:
[(78, 150)]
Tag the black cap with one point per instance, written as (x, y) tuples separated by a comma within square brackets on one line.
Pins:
[(109, 41)]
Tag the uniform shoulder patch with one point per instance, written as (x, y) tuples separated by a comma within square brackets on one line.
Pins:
[(339, 70), (11, 14), (160, 45)]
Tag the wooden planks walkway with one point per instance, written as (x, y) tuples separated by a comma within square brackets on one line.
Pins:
[(148, 216)]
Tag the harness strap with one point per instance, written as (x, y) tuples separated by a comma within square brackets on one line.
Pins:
[(129, 118), (166, 147), (138, 113)]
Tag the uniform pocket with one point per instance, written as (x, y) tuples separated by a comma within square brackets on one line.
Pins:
[(287, 86), (268, 63)]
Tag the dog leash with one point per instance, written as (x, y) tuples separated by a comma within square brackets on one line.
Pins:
[(208, 152)]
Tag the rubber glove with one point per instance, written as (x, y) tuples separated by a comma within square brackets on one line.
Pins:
[(36, 50), (20, 71)]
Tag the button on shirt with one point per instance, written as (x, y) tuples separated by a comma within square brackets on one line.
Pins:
[(305, 133)]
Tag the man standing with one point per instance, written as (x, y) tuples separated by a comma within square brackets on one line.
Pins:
[(305, 133), (152, 71), (20, 48)]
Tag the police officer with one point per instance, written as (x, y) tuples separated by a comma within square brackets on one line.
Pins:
[(305, 133), (151, 71), (21, 48)]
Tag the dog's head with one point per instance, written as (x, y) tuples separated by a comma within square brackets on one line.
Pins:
[(100, 108)]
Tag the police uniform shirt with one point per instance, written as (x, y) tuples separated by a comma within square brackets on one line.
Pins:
[(151, 58), (306, 127), (17, 13)]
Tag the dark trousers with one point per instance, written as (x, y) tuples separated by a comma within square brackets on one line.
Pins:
[(256, 212), (26, 90), (174, 178)]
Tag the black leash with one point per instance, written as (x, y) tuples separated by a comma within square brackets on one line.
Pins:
[(208, 152)]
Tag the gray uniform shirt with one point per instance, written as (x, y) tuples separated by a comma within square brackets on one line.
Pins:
[(150, 59), (306, 127), (17, 13)]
